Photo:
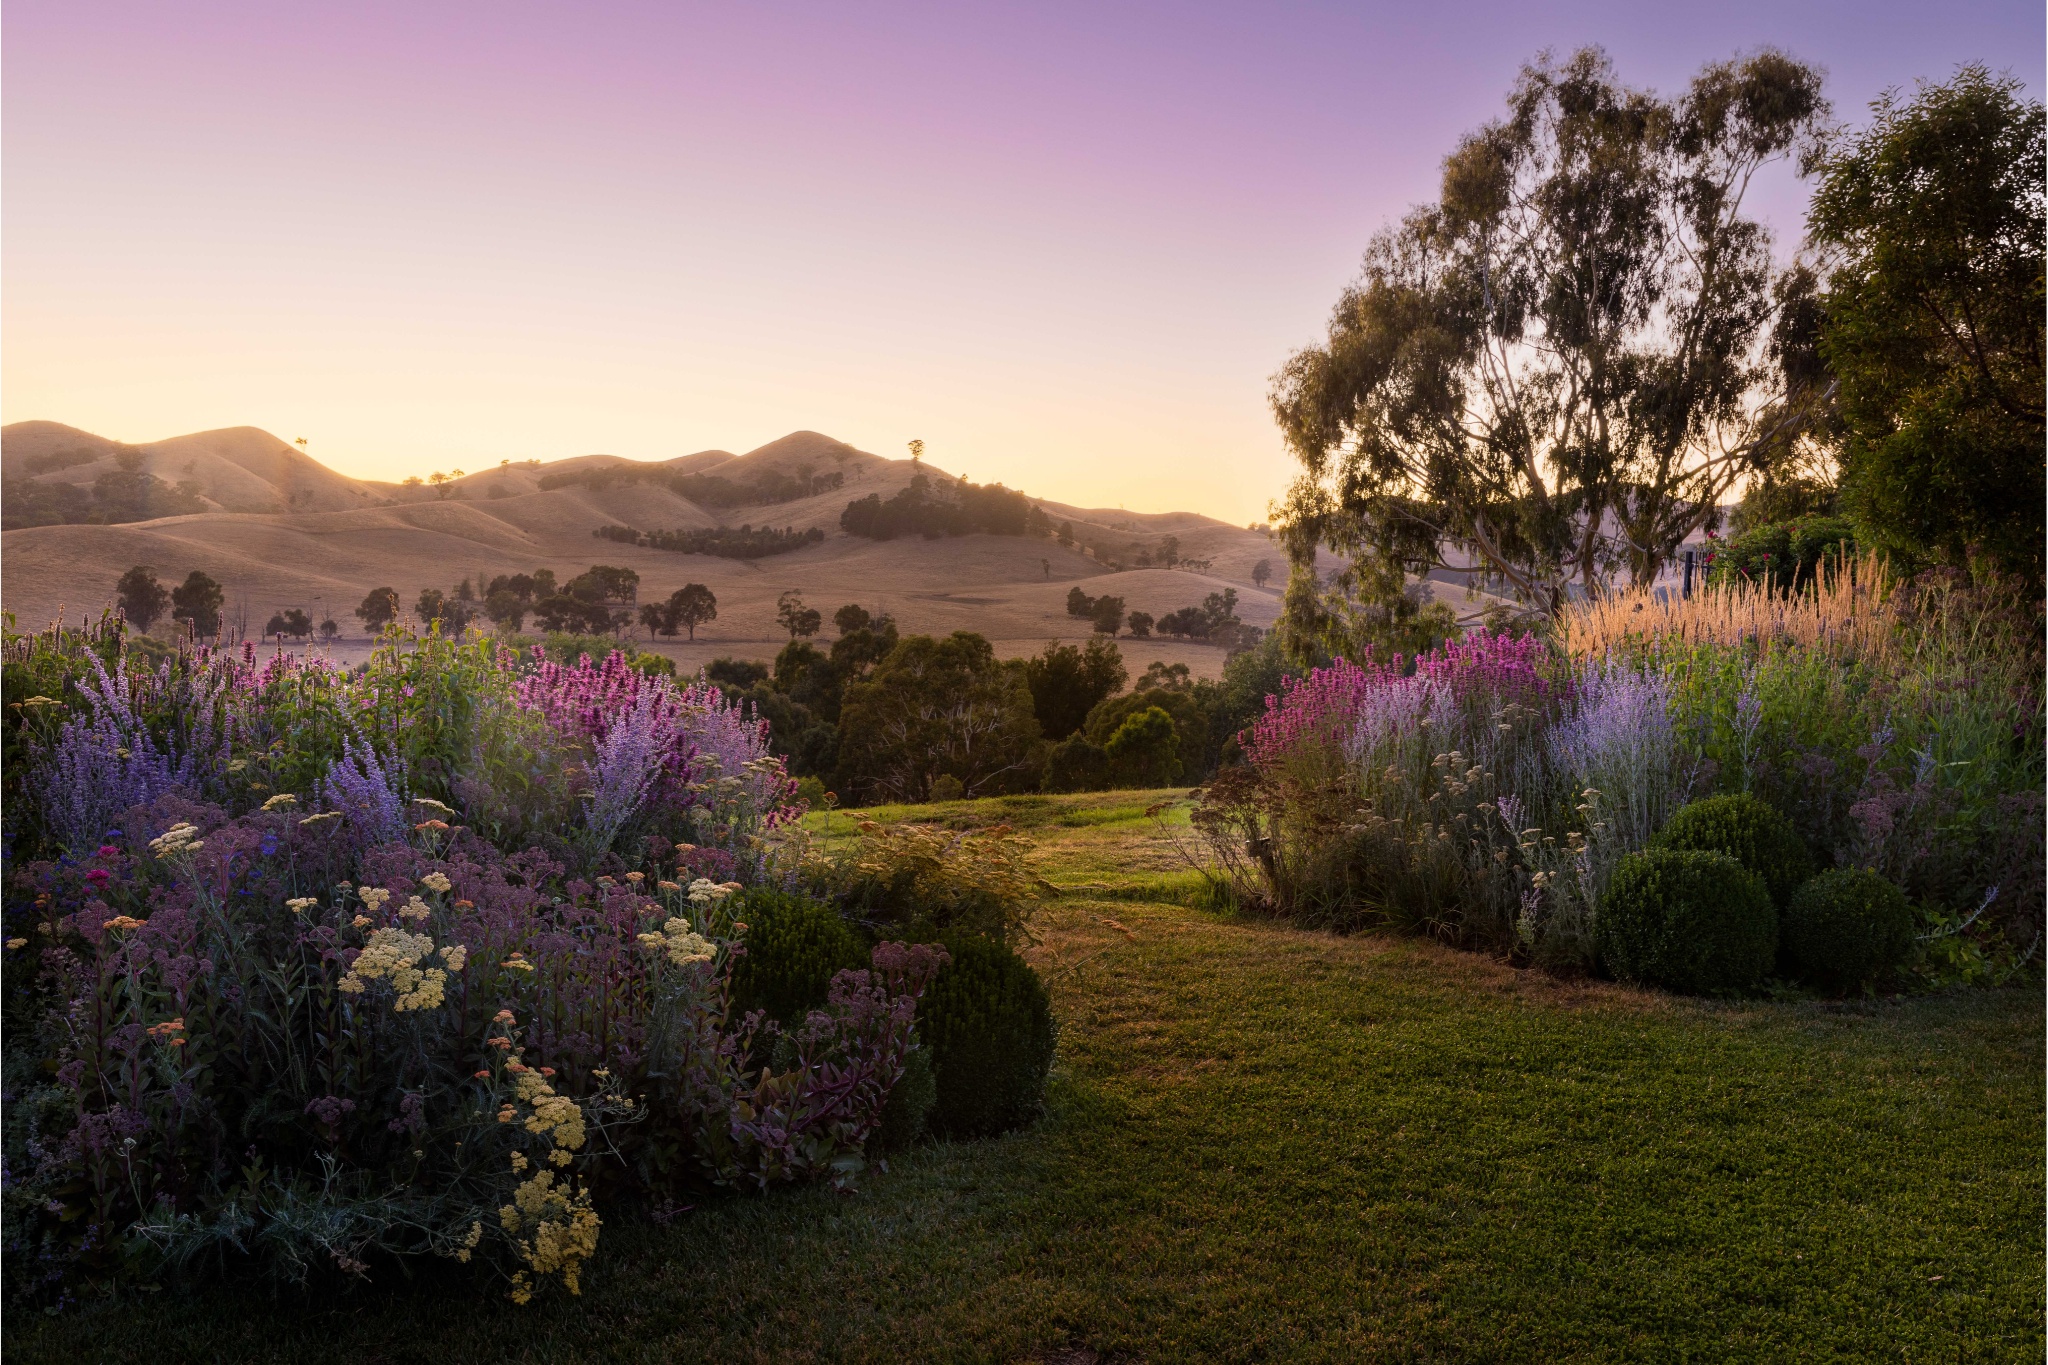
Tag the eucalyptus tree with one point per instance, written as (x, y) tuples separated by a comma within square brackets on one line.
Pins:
[(1555, 374)]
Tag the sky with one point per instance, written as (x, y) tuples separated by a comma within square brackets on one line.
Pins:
[(1065, 245)]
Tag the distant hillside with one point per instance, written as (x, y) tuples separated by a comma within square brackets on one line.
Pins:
[(280, 530)]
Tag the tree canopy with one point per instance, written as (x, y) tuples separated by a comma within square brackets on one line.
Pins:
[(1555, 374), (1931, 221)]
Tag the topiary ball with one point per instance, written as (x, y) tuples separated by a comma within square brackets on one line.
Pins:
[(988, 1021), (909, 1106), (1748, 830), (1688, 921), (795, 946), (1847, 927)]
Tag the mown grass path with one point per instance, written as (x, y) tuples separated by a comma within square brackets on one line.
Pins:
[(1266, 1144)]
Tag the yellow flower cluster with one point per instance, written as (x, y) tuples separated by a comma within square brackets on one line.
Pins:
[(373, 897), (281, 801), (437, 881), (563, 1232), (704, 891), (682, 945), (299, 905), (555, 1117), (396, 955), (415, 909)]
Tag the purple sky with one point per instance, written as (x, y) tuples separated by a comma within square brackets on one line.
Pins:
[(1066, 245)]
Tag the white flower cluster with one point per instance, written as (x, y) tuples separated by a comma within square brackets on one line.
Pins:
[(179, 838)]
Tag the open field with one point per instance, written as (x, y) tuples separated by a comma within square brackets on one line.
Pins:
[(1270, 1144)]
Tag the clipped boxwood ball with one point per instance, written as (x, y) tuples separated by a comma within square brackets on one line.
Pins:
[(795, 946), (988, 1021), (1845, 928), (910, 1105), (1749, 830), (1687, 921)]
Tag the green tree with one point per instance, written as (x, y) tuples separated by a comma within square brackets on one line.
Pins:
[(1067, 683), (1932, 322), (197, 602), (293, 622), (795, 617), (379, 609), (1262, 572), (1556, 373), (654, 616), (142, 598), (689, 607), (934, 708), (1145, 750), (851, 617), (1141, 625), (1108, 616), (1189, 731)]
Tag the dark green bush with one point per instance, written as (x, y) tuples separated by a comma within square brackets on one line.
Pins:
[(1747, 829), (910, 1105), (794, 947), (988, 1022), (1687, 920), (1845, 928)]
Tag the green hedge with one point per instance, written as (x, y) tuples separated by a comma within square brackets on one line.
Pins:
[(1747, 829), (795, 946), (988, 1022), (1847, 928), (1688, 921)]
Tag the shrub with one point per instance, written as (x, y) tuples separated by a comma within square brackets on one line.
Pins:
[(1687, 920), (1748, 830), (988, 1021), (918, 880), (910, 1105), (1075, 765), (1845, 928), (795, 946)]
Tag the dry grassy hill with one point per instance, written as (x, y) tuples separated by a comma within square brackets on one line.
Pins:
[(291, 533)]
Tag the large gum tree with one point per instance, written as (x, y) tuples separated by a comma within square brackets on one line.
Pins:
[(1555, 374)]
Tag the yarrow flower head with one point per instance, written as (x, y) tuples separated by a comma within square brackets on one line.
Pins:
[(178, 839), (281, 801), (679, 943), (437, 881), (299, 905)]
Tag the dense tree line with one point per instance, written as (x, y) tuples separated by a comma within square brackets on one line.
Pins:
[(125, 493), (706, 490), (743, 542), (933, 509), (1215, 620), (884, 716)]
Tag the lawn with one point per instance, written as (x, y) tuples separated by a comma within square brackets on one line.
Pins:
[(1268, 1144)]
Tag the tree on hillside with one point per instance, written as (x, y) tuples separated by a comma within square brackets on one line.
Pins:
[(1067, 683), (689, 607), (1556, 373), (292, 622), (654, 616), (1262, 572), (431, 606), (379, 609), (1080, 603), (1932, 321), (851, 617), (330, 631), (197, 602), (936, 708), (142, 598), (795, 617), (1169, 551), (1108, 616), (1141, 625)]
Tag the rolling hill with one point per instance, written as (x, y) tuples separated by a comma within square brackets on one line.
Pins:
[(281, 530)]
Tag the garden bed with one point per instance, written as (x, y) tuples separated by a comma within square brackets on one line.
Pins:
[(1271, 1143)]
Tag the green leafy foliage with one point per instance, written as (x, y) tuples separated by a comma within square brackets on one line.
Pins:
[(1748, 829), (1688, 921), (1068, 681), (794, 947), (1846, 928), (1932, 321), (988, 1022), (1785, 555)]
